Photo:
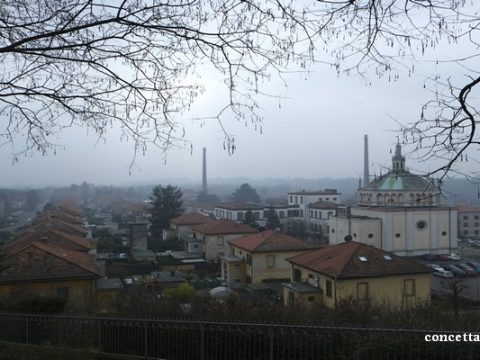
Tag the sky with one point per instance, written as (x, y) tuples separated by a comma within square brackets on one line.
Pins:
[(316, 130)]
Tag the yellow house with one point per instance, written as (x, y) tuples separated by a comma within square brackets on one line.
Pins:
[(258, 259), (40, 269), (354, 271)]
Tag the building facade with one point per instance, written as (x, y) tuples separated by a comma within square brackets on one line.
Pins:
[(399, 212)]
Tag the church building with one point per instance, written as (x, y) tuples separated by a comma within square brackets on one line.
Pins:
[(399, 212)]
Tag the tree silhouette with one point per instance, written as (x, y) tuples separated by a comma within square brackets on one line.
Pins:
[(272, 220), (133, 63), (166, 204), (245, 193)]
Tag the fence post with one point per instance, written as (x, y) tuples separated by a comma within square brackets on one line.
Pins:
[(202, 342), (26, 331), (271, 344), (145, 341)]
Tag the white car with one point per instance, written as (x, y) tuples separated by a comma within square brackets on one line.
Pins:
[(435, 267), (443, 274), (454, 257)]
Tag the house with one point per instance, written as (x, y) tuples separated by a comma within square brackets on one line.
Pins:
[(257, 259), (181, 226), (398, 212), (46, 270), (212, 239), (108, 295), (354, 271)]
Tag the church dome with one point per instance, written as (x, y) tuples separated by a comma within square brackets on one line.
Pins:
[(399, 187)]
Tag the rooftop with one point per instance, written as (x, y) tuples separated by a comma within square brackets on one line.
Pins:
[(268, 241), (224, 227), (191, 219), (356, 260)]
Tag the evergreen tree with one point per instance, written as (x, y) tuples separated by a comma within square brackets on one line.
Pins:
[(166, 204), (249, 219), (272, 220), (245, 193)]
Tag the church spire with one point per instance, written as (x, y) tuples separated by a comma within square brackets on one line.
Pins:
[(398, 160)]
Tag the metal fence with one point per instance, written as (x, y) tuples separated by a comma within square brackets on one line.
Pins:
[(172, 339)]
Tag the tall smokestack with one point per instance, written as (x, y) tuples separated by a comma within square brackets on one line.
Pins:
[(366, 175), (204, 173)]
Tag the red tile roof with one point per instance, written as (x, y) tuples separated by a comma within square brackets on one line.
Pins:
[(47, 223), (356, 260), (224, 227), (54, 237), (41, 262), (268, 241), (191, 219)]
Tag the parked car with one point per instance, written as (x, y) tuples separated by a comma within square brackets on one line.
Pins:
[(454, 257), (435, 267), (427, 257), (474, 265), (456, 270), (443, 274), (441, 257), (469, 270)]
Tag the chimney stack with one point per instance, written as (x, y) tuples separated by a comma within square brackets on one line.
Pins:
[(366, 175), (204, 174)]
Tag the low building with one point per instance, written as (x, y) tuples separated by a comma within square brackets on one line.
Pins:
[(354, 271), (181, 226), (258, 259), (213, 237), (468, 221), (39, 269)]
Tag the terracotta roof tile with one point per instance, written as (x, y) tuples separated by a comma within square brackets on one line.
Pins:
[(224, 227), (191, 219), (58, 224), (356, 260), (269, 240), (41, 262), (53, 237)]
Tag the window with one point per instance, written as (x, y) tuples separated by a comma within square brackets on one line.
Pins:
[(240, 216), (220, 240), (465, 217), (476, 232), (421, 225), (297, 275), (444, 233), (409, 287), (249, 259), (291, 199), (465, 224), (362, 291), (301, 199), (334, 199), (476, 217), (475, 224), (296, 199), (370, 235), (311, 298), (328, 289), (270, 260), (465, 232)]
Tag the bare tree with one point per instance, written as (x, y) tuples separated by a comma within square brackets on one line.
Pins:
[(133, 63), (95, 63)]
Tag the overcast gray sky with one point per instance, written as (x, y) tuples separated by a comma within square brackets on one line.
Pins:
[(315, 131)]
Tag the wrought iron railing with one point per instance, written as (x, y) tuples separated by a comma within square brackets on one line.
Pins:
[(176, 339)]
